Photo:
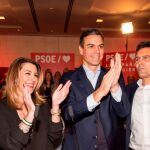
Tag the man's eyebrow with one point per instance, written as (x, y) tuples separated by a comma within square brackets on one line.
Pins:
[(89, 44), (102, 44), (142, 55)]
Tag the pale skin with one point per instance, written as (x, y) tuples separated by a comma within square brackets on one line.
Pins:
[(26, 83), (58, 97), (92, 54)]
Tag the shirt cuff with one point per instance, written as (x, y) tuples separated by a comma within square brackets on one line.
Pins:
[(117, 95), (91, 103)]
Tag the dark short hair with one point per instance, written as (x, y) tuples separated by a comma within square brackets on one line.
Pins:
[(89, 32), (142, 45)]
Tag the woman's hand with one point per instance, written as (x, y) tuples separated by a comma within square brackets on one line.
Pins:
[(30, 106), (58, 97), (60, 94)]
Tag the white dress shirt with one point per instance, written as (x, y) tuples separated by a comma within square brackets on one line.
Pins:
[(140, 118)]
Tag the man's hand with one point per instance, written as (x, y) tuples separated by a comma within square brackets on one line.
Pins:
[(105, 85), (116, 64), (110, 79)]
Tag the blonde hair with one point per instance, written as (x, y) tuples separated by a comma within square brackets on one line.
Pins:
[(12, 77)]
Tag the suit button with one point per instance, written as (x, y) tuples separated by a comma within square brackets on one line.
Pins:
[(95, 137), (95, 146)]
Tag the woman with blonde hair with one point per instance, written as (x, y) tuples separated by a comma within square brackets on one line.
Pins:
[(27, 122)]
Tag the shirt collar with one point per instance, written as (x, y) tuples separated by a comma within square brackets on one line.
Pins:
[(139, 82), (88, 70)]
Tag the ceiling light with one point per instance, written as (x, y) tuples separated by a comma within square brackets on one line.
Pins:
[(51, 8), (10, 27), (2, 18), (127, 28), (99, 20), (149, 22), (18, 30)]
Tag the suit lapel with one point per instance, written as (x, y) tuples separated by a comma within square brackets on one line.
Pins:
[(83, 81), (102, 73)]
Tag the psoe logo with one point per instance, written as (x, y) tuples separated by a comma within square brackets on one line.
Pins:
[(66, 58)]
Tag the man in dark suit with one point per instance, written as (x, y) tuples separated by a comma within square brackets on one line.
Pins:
[(138, 121), (96, 101)]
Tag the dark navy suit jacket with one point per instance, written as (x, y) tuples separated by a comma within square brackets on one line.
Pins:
[(131, 89), (81, 133)]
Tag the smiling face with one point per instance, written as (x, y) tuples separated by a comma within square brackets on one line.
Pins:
[(142, 63), (28, 78), (92, 51)]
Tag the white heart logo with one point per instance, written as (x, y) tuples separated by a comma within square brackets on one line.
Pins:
[(132, 56), (66, 59)]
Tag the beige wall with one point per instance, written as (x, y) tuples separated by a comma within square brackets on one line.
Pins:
[(12, 47)]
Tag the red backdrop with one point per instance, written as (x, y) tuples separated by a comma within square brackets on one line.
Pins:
[(54, 61)]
